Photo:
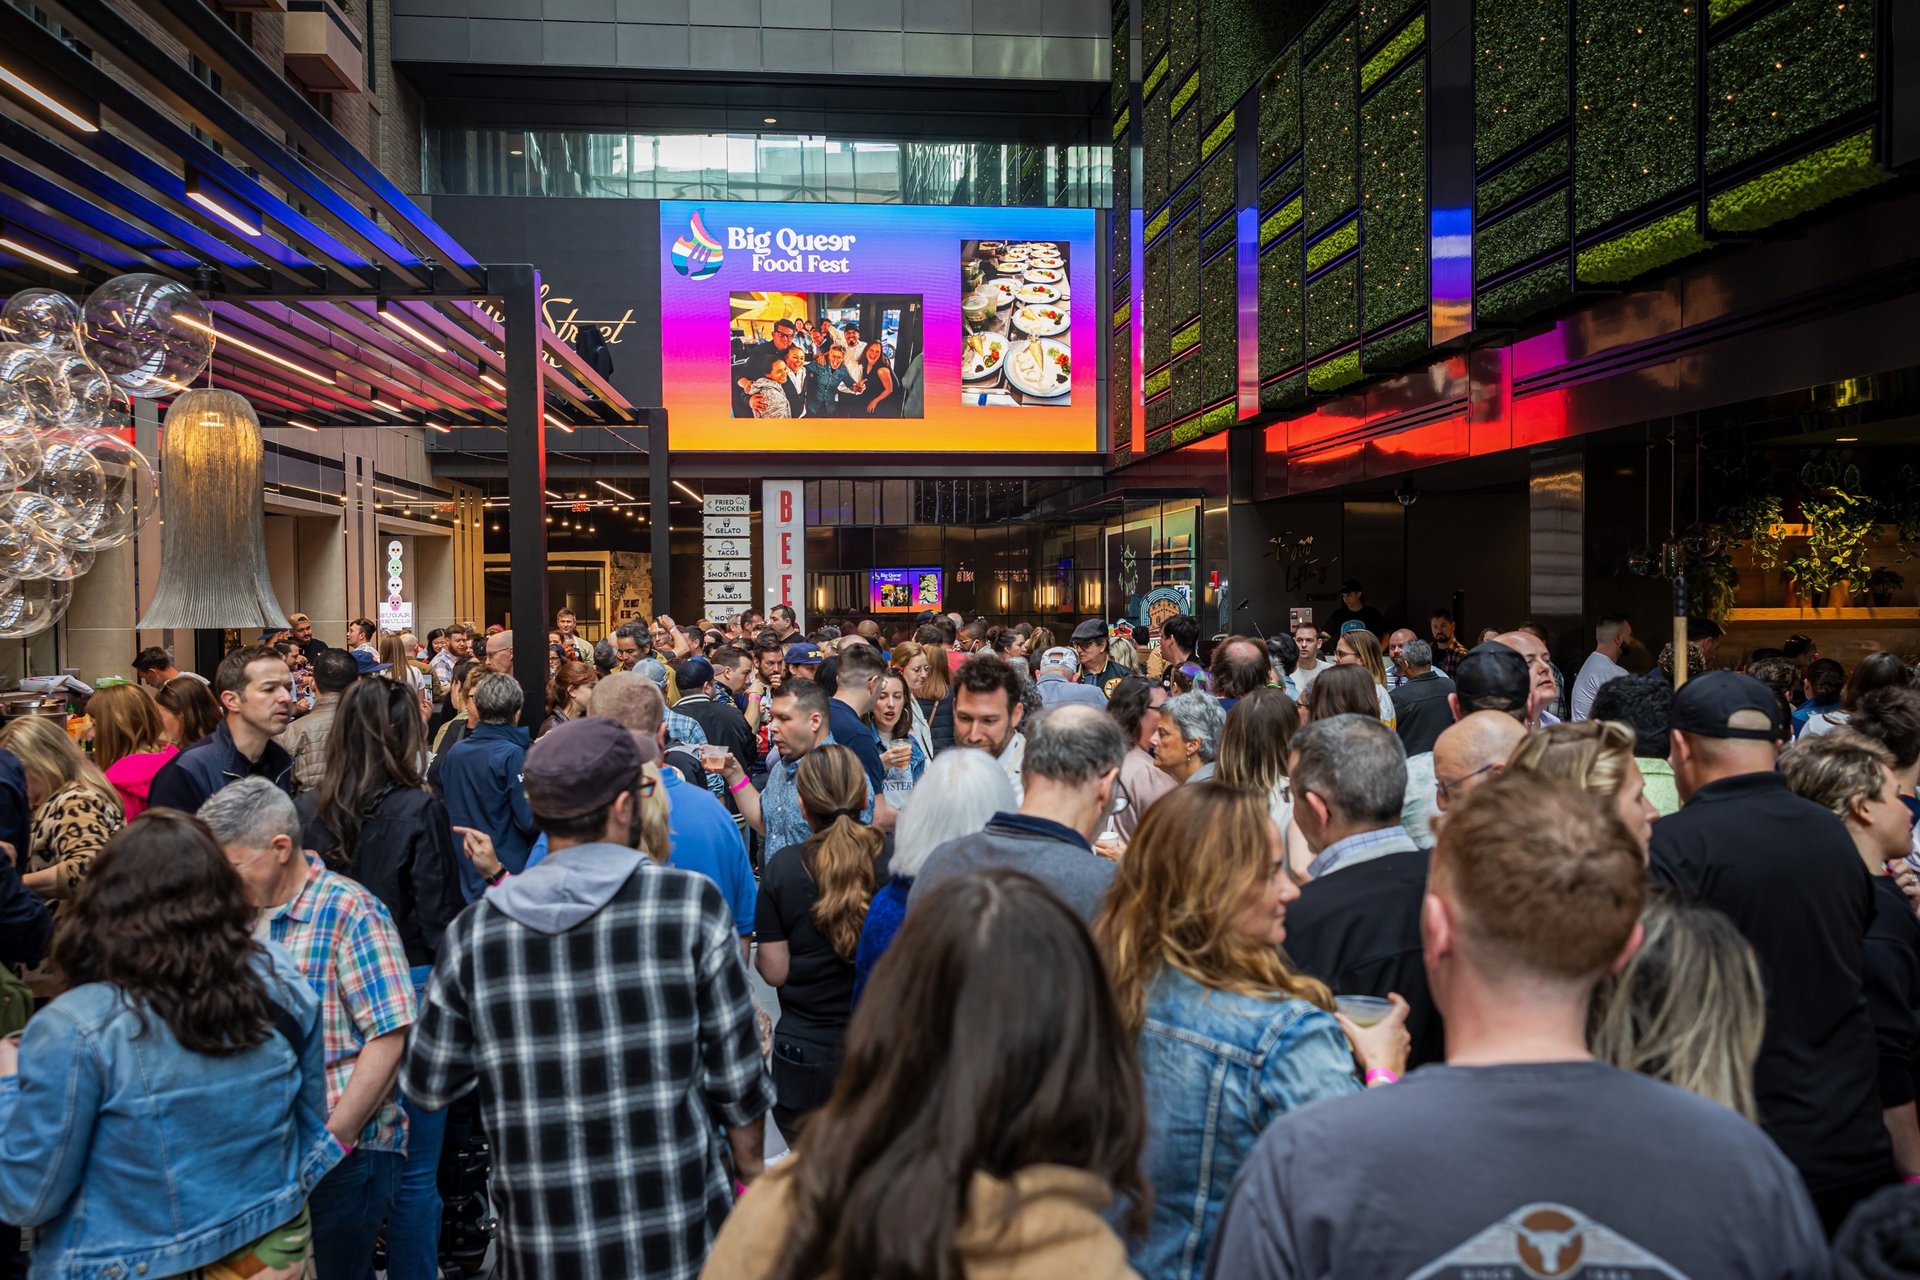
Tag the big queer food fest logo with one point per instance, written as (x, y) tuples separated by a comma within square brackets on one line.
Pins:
[(698, 257), (782, 250)]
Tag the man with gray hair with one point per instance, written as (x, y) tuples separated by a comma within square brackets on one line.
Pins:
[(1072, 765), (1420, 709), (480, 779), (345, 944), (1059, 681), (1356, 926), (500, 652)]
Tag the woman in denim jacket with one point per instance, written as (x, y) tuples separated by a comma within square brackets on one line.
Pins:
[(169, 1111), (1230, 1035)]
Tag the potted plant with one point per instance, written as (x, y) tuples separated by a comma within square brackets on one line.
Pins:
[(1712, 583), (1755, 520), (1840, 521), (1882, 583)]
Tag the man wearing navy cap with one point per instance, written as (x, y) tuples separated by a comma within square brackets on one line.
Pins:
[(1784, 869), (1089, 641), (565, 986), (1354, 608), (803, 660)]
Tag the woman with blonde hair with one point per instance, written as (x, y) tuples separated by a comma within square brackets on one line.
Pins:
[(813, 902), (1230, 1034), (401, 666), (933, 697), (1596, 756), (910, 660), (129, 742), (1361, 649), (74, 812), (1688, 1008)]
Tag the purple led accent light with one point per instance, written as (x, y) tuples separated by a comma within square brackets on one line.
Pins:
[(1136, 271), (1247, 279), (1451, 275)]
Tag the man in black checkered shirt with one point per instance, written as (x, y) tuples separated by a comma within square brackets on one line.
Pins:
[(600, 1004)]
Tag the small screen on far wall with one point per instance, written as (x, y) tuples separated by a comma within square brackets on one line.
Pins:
[(903, 590)]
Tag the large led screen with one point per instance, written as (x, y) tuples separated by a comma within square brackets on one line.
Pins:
[(834, 327)]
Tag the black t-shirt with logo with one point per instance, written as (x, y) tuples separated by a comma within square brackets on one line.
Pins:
[(1574, 1169)]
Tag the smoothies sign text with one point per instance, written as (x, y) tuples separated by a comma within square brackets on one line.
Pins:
[(798, 250)]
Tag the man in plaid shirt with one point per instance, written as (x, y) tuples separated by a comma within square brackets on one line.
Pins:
[(343, 940), (599, 1002)]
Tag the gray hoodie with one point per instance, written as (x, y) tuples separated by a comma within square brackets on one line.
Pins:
[(567, 887)]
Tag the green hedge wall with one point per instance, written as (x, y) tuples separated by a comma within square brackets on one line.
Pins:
[(1183, 150), (1520, 236), (1324, 23), (1157, 301), (1333, 318), (1153, 154), (1634, 93), (1519, 73), (1377, 17), (1528, 295), (1400, 347), (1801, 186), (1153, 30), (1790, 72), (1183, 36), (1329, 86), (1393, 198), (1217, 186), (1183, 269), (1239, 40), (1120, 385), (1280, 111), (1517, 179), (1219, 329), (1282, 327)]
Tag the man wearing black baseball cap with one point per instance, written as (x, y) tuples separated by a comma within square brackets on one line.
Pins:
[(1491, 677), (1354, 608), (567, 984), (1090, 650), (1785, 871)]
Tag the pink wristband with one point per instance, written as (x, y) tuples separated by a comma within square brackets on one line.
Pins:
[(736, 786), (1380, 1075)]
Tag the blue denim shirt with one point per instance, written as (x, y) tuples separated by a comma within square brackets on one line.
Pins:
[(780, 803), (136, 1157), (1220, 1067)]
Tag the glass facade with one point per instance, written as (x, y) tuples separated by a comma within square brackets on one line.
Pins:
[(763, 166)]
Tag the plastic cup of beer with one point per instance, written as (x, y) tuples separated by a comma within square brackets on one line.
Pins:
[(713, 759), (1363, 1011)]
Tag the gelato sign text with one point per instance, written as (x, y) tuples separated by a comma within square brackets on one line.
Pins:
[(789, 250)]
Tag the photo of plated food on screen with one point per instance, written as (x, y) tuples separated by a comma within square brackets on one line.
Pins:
[(1015, 304), (827, 355)]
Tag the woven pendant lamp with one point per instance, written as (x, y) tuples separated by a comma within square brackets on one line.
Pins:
[(213, 567)]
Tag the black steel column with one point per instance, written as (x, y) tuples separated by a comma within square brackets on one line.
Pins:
[(519, 290), (659, 500)]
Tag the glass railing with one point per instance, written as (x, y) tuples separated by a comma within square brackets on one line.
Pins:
[(764, 166)]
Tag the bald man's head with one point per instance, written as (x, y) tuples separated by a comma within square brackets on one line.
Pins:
[(1472, 751)]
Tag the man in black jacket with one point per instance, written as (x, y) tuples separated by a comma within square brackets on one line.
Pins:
[(1357, 924), (714, 712), (1786, 872), (255, 689), (26, 926)]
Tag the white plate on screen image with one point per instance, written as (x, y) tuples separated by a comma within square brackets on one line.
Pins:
[(1045, 258), (1040, 367), (981, 355), (1038, 295), (1041, 322), (1042, 246), (1045, 275), (1003, 291)]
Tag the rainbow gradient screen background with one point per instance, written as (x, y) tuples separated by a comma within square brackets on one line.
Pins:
[(897, 249)]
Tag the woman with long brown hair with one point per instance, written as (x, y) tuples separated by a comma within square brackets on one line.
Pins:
[(813, 900), (1231, 1035), (1362, 649), (74, 812), (568, 693), (169, 1111), (188, 710), (129, 742), (1339, 691), (988, 1114)]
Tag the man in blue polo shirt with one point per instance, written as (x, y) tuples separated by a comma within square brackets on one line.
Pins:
[(704, 837)]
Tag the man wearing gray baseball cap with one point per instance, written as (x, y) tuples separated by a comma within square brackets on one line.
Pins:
[(1059, 680), (598, 984)]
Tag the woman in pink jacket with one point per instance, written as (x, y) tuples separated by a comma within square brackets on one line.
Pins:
[(128, 742)]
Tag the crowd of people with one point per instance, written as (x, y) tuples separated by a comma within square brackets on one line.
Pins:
[(1347, 951)]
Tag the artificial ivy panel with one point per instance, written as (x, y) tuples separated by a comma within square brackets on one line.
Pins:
[(1524, 296), (1183, 35), (1183, 150), (1393, 198), (1183, 268), (1219, 328), (1157, 299), (1519, 74), (1153, 156), (1280, 112), (1333, 318), (1521, 236), (1634, 116), (1153, 30), (1522, 176), (1282, 331), (1378, 17), (1790, 72), (1239, 40), (1328, 89)]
